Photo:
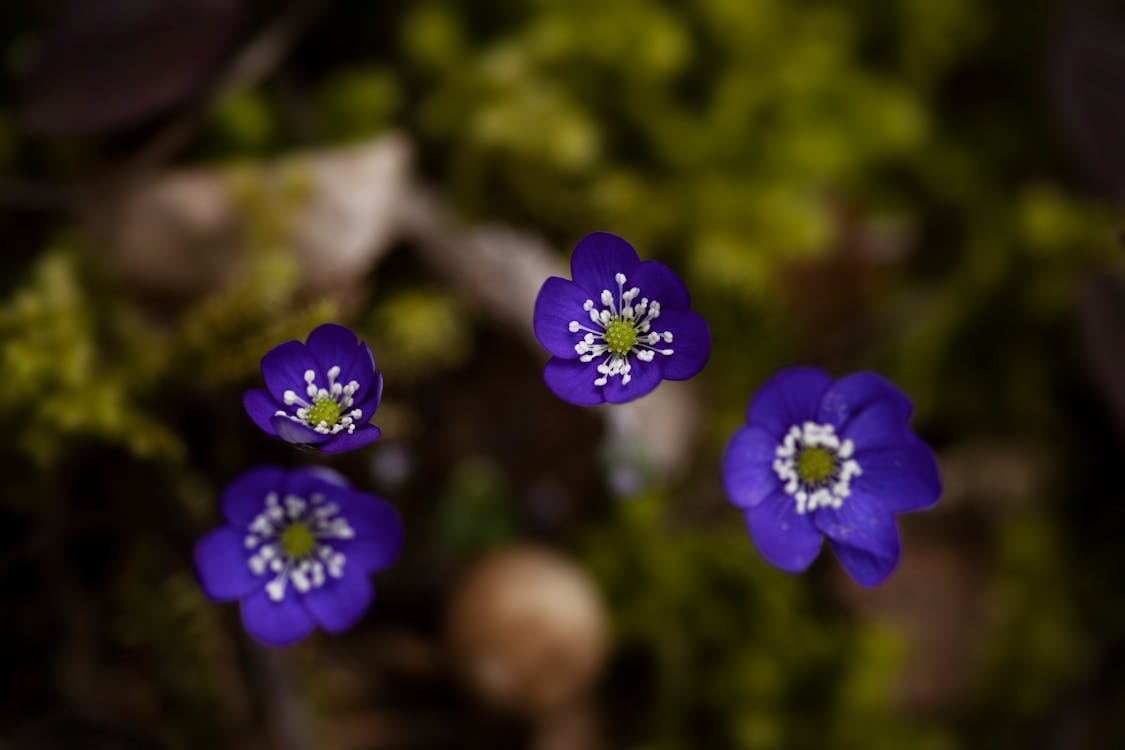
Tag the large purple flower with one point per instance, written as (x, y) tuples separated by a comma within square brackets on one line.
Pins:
[(321, 393), (619, 328), (824, 458), (297, 549)]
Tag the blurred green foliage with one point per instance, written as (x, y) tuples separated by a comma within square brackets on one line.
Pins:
[(475, 513), (736, 139), (58, 382), (836, 196), (836, 191), (178, 633), (419, 330), (355, 102), (738, 654), (83, 362)]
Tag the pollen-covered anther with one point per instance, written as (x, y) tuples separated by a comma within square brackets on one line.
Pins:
[(621, 330), (815, 466)]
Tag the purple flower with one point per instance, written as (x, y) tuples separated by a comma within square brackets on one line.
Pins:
[(829, 458), (297, 549), (619, 328), (321, 393)]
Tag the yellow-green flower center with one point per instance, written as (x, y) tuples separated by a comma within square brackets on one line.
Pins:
[(297, 540), (815, 465), (325, 409), (620, 336)]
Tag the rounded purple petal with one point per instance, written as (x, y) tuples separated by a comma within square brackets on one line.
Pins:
[(879, 425), (276, 623), (347, 441), (375, 520), (295, 432), (789, 398), (306, 480), (341, 602), (902, 477), (598, 258), (368, 406), (852, 394), (786, 539), (245, 496), (284, 368), (573, 381), (220, 564), (691, 343), (362, 370), (748, 474), (864, 537), (865, 567), (260, 406), (368, 555), (373, 395), (332, 345), (644, 377), (378, 532), (560, 302), (659, 282)]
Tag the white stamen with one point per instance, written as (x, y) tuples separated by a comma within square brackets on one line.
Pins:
[(299, 581), (342, 394), (619, 309), (336, 565), (829, 492), (305, 573), (276, 589), (294, 506)]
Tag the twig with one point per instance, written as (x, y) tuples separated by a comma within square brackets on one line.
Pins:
[(285, 715), (26, 195), (256, 60)]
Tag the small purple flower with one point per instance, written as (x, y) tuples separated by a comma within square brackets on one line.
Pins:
[(297, 549), (829, 458), (619, 328), (321, 393)]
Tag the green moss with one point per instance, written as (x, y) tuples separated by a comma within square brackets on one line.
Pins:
[(359, 103), (420, 330), (61, 382)]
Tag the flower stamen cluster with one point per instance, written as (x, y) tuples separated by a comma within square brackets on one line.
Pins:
[(815, 466), (330, 409), (622, 328), (292, 537)]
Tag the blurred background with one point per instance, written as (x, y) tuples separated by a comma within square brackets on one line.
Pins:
[(928, 188)]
